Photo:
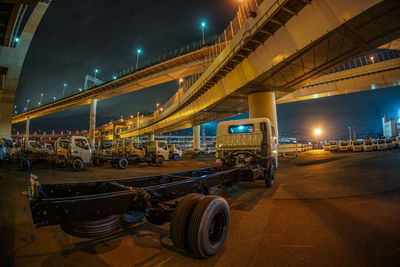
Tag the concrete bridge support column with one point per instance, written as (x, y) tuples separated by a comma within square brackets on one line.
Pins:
[(150, 137), (92, 126), (196, 136), (262, 105), (28, 121)]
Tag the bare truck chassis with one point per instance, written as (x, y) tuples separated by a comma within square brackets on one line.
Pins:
[(199, 221)]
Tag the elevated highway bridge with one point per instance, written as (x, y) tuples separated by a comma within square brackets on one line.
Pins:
[(286, 46), (271, 50)]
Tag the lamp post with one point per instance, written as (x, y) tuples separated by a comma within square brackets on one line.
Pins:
[(180, 83), (95, 72), (65, 85), (203, 26), (139, 51), (40, 101), (54, 98), (27, 104)]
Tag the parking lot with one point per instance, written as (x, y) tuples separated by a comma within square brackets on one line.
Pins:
[(325, 209)]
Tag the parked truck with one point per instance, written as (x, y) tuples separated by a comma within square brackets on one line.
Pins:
[(75, 153), (175, 152), (246, 150)]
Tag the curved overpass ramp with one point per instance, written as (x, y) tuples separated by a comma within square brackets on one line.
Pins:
[(283, 48)]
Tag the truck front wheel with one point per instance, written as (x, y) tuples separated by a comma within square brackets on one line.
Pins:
[(77, 164), (176, 157), (270, 176), (159, 161), (123, 163), (25, 164)]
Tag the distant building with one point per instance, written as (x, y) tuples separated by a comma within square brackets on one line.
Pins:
[(391, 126)]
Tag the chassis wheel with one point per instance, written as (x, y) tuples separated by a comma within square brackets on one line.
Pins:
[(181, 218), (208, 227), (122, 163), (96, 228), (270, 176), (176, 157), (77, 164), (159, 161), (25, 164)]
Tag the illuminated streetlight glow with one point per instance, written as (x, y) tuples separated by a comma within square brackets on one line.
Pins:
[(16, 39), (203, 26), (372, 59), (65, 85), (114, 77), (317, 131), (157, 105), (95, 72), (139, 51)]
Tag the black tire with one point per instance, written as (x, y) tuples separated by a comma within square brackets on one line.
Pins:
[(100, 162), (25, 164), (181, 218), (77, 164), (208, 227), (122, 163), (96, 228), (132, 217), (270, 177), (176, 157), (159, 161)]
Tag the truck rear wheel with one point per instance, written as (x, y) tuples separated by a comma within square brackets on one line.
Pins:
[(181, 218), (270, 176), (25, 164), (122, 163), (208, 227), (176, 157), (77, 164)]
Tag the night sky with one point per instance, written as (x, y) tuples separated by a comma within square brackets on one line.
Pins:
[(75, 37)]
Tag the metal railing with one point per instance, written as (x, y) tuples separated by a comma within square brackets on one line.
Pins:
[(247, 9), (370, 58)]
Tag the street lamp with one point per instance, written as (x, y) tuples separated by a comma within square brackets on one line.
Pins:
[(16, 39), (65, 85), (139, 51), (114, 77), (80, 90), (180, 82), (54, 98), (40, 101), (15, 109), (95, 72), (27, 104), (203, 26), (317, 132), (372, 59)]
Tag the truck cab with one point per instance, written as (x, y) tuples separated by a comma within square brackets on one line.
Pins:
[(175, 152), (344, 146), (368, 145), (79, 148), (357, 146), (388, 143), (7, 147), (61, 148), (157, 149), (327, 146), (333, 146), (250, 145), (33, 147), (380, 145), (47, 148)]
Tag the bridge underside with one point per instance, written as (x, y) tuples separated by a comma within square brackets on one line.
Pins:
[(322, 36)]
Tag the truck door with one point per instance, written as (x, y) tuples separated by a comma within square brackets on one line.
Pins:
[(80, 148), (162, 150)]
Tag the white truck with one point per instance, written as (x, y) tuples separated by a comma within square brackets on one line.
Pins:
[(175, 152), (380, 144), (78, 153), (368, 145), (333, 146), (47, 148), (250, 145), (344, 146), (388, 144), (357, 146)]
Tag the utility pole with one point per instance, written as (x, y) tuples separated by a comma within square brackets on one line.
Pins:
[(350, 132), (354, 133)]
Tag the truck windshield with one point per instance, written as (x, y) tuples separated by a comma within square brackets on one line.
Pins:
[(7, 143), (343, 143), (235, 129), (368, 143), (381, 141), (64, 144)]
